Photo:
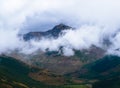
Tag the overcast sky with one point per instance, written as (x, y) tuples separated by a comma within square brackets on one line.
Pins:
[(32, 15)]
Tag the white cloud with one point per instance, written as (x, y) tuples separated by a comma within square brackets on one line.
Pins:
[(94, 20)]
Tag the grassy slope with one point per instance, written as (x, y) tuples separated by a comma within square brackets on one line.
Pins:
[(109, 83), (55, 62), (112, 77), (106, 71), (14, 74), (107, 67)]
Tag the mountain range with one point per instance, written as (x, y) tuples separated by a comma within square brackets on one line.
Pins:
[(87, 68)]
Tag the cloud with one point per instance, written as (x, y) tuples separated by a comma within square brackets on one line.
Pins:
[(82, 38), (8, 40), (95, 20)]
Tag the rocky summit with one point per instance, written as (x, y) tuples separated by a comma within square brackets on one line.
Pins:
[(54, 32)]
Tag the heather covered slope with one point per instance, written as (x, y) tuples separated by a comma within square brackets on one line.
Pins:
[(108, 83), (105, 68), (14, 74), (58, 63), (103, 73)]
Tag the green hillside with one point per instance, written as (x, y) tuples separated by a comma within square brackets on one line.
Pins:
[(109, 83), (14, 74), (106, 67), (103, 73)]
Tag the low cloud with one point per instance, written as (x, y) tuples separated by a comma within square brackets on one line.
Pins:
[(94, 21)]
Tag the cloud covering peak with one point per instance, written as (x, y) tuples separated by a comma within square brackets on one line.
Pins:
[(95, 20)]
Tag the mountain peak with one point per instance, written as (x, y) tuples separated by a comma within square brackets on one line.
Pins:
[(53, 32), (61, 27)]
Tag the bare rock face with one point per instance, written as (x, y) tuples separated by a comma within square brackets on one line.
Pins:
[(50, 33)]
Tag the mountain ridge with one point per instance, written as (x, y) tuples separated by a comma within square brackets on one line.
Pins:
[(54, 32)]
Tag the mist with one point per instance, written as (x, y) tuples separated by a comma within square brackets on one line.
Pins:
[(94, 20)]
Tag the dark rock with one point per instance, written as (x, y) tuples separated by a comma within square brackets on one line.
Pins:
[(55, 32)]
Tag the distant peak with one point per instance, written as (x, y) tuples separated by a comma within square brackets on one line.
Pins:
[(62, 26)]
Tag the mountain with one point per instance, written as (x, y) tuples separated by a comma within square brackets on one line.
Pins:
[(87, 68), (55, 32), (54, 60), (103, 73)]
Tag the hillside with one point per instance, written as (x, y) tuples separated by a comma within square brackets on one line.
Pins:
[(55, 62), (14, 74), (103, 73)]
